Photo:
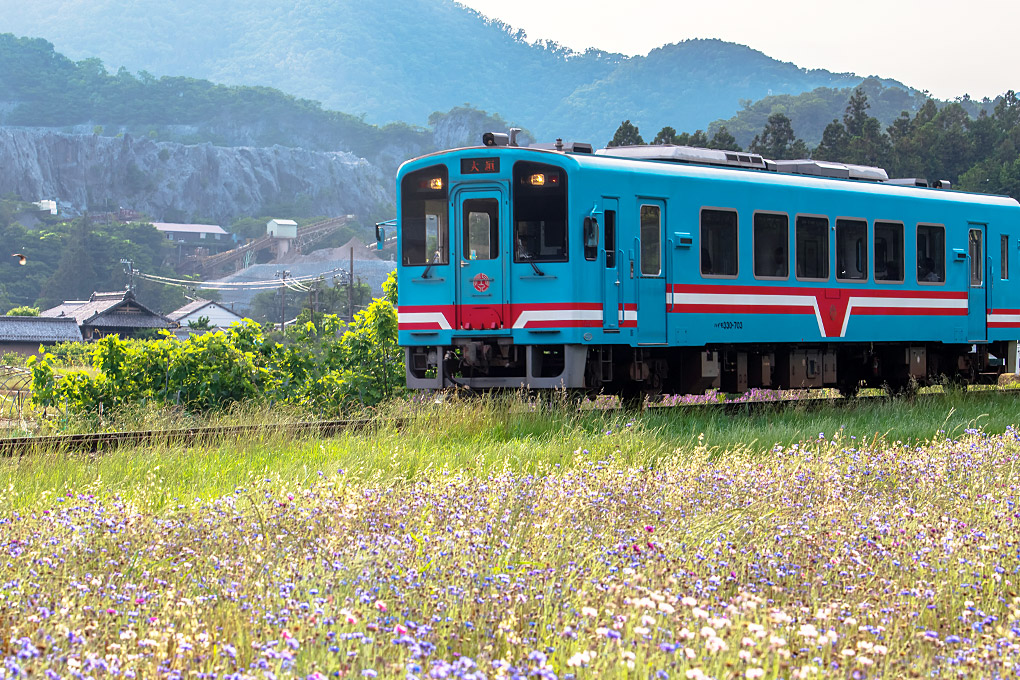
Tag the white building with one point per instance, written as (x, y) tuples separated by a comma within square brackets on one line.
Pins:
[(281, 228), (219, 317), (191, 233)]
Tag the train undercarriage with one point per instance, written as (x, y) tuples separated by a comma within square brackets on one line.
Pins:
[(631, 372)]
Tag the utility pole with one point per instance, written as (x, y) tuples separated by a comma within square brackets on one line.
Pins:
[(129, 269), (313, 298), (350, 290), (283, 301)]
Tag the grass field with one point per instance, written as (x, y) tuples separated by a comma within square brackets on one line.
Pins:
[(493, 538)]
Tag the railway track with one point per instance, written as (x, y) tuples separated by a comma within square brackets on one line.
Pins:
[(98, 442)]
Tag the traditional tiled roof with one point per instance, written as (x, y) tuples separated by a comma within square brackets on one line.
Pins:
[(63, 309), (38, 329), (110, 310)]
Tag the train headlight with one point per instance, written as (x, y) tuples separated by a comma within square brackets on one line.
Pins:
[(436, 183), (537, 180)]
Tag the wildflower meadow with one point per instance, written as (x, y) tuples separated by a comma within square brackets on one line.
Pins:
[(601, 548)]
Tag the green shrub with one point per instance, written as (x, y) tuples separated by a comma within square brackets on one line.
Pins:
[(328, 367), (72, 353)]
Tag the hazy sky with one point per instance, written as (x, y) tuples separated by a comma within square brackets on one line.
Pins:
[(947, 48)]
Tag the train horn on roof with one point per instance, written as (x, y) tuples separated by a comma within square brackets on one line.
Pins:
[(496, 139)]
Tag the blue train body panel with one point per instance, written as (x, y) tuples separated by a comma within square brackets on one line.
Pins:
[(527, 248)]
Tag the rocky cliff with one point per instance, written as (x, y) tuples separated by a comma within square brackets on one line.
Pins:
[(177, 182)]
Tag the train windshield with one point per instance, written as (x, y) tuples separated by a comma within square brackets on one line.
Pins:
[(425, 217), (540, 213)]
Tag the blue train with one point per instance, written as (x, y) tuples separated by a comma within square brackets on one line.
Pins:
[(669, 269)]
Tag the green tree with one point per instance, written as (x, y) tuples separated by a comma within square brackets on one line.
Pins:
[(626, 135), (666, 135), (834, 144), (777, 140), (200, 324), (23, 311), (75, 277), (722, 139)]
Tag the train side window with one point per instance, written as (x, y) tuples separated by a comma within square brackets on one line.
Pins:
[(1004, 267), (931, 253), (851, 250), (610, 228), (771, 239), (481, 229), (889, 251), (718, 242), (977, 258), (591, 238), (424, 217), (812, 247), (651, 241)]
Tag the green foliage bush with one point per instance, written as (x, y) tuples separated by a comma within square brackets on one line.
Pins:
[(12, 359), (23, 310), (327, 368), (71, 353)]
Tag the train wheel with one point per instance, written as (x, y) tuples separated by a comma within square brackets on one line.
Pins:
[(632, 399), (849, 388)]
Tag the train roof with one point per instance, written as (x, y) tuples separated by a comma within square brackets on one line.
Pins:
[(753, 168)]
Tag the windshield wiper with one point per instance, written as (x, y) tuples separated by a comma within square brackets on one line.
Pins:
[(535, 267), (435, 258)]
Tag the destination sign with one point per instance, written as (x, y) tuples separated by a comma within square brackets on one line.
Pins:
[(478, 166)]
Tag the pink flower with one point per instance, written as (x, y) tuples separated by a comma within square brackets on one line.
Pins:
[(380, 605), (649, 528)]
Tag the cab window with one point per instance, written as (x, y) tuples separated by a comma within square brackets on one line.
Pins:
[(424, 217), (540, 213)]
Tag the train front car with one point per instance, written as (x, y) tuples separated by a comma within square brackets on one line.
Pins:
[(487, 296), (640, 270)]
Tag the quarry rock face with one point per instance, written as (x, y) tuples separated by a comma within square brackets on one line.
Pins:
[(177, 182)]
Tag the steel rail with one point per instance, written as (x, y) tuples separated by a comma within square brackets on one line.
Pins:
[(97, 442)]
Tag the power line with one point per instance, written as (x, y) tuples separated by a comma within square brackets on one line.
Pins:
[(298, 281)]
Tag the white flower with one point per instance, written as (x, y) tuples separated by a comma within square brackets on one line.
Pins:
[(807, 630)]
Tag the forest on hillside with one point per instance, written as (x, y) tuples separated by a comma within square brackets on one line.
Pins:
[(980, 154), (40, 87)]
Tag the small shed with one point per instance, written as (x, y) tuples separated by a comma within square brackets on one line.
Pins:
[(281, 228), (24, 334)]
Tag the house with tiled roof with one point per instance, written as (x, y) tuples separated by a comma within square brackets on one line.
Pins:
[(24, 334), (117, 313), (219, 317)]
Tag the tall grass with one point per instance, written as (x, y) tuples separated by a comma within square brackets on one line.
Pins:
[(502, 538), (476, 436)]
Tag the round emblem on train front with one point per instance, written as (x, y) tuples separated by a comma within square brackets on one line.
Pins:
[(481, 282)]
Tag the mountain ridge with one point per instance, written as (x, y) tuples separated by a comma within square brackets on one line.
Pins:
[(382, 60)]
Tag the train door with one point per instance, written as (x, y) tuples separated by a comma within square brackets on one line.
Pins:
[(651, 272), (479, 237), (977, 303), (611, 309)]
